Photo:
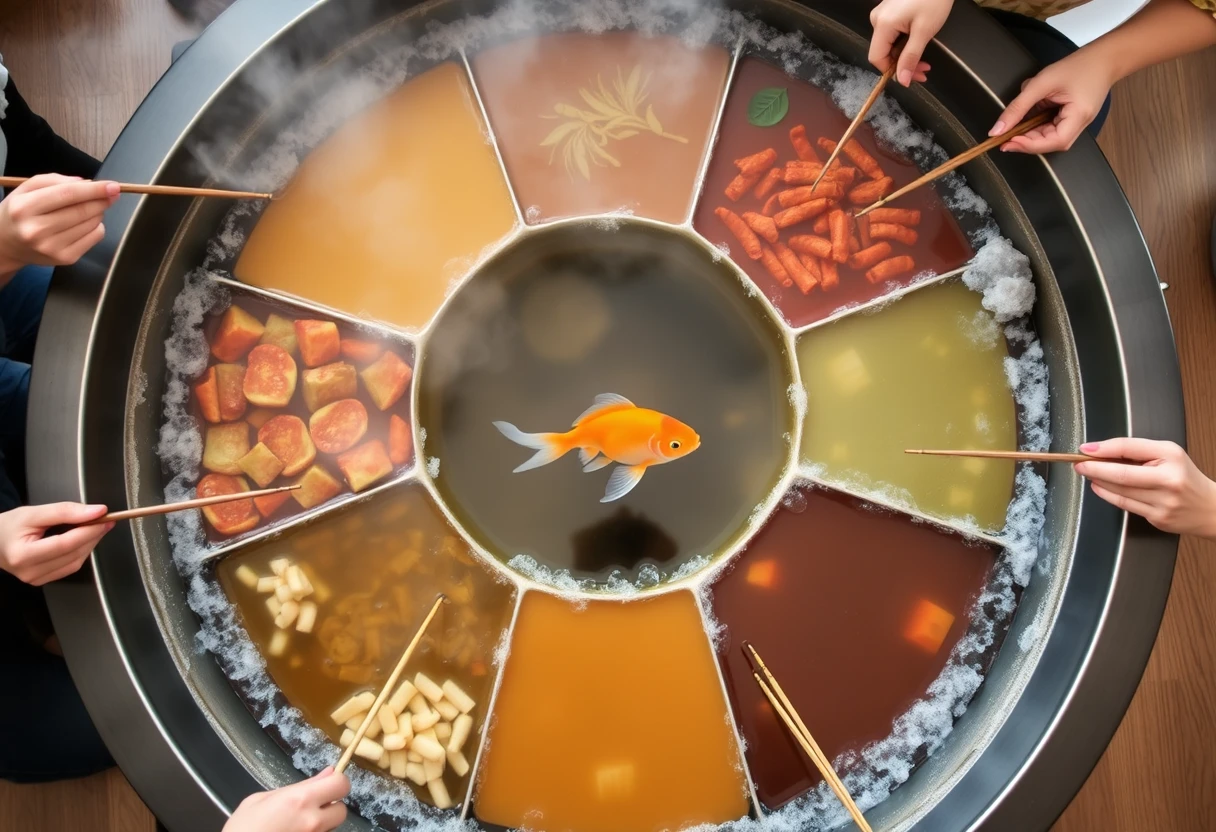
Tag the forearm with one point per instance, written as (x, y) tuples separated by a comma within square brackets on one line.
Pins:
[(1161, 31)]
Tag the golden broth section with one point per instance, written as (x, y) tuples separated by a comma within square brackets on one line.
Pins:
[(596, 123), (376, 569), (386, 212), (610, 718), (925, 372)]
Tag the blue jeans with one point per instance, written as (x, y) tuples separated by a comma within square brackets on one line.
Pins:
[(45, 731)]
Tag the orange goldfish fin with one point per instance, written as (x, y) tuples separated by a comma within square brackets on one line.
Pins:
[(585, 455), (596, 464), (604, 403), (549, 446), (622, 481)]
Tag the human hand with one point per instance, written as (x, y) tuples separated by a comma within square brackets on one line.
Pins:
[(1166, 489), (38, 560), (309, 806), (51, 220), (920, 20), (1077, 85)]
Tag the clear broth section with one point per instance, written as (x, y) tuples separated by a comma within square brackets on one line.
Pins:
[(573, 312)]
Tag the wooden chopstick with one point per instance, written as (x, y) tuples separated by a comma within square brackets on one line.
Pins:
[(159, 190), (962, 159), (859, 118), (1028, 456), (169, 508), (374, 711), (781, 704)]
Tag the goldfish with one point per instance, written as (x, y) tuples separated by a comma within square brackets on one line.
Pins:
[(613, 429)]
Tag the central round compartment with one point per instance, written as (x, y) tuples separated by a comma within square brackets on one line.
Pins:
[(578, 310)]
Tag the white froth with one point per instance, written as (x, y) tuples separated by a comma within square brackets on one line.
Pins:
[(1002, 275), (432, 467)]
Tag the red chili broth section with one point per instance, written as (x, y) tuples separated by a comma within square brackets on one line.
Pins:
[(941, 245), (827, 593)]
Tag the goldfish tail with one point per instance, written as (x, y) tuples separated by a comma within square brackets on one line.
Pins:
[(549, 446)]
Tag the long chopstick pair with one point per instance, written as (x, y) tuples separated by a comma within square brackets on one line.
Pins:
[(1027, 456), (160, 190), (200, 502), (860, 117), (374, 711), (781, 704)]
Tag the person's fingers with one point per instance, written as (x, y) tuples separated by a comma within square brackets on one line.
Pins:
[(1127, 447), (53, 514), (1122, 474), (62, 568), (1050, 138), (77, 249), (56, 546), (909, 58), (1033, 91), (51, 199), (1120, 501), (43, 180), (332, 816), (324, 790), (881, 43), (73, 216)]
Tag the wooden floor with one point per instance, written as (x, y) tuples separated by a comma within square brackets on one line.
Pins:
[(86, 64)]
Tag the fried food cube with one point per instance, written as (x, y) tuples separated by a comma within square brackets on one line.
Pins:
[(279, 567), (386, 380), (457, 696), (393, 741), (461, 728), (762, 573), (297, 582), (270, 377), (316, 486), (400, 440), (227, 518), (259, 416), (280, 332), (278, 643), (287, 615), (928, 626), (283, 593), (224, 446), (237, 334), (288, 439), (268, 504), (358, 704), (230, 384), (339, 426), (385, 760), (245, 574), (307, 618), (458, 763), (418, 704), (319, 342), (274, 605), (364, 465), (360, 351), (260, 465), (329, 383), (207, 394)]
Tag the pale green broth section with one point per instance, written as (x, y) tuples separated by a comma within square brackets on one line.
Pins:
[(926, 371)]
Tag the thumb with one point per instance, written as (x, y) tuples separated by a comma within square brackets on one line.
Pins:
[(1031, 94), (54, 514)]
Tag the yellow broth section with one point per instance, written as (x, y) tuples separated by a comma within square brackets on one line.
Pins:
[(925, 372), (610, 718), (376, 568), (594, 123), (386, 212)]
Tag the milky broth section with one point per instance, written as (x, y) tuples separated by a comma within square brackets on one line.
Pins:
[(610, 718), (595, 123), (924, 372), (383, 215)]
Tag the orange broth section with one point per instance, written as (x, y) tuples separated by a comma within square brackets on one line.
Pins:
[(596, 123), (390, 209), (610, 718)]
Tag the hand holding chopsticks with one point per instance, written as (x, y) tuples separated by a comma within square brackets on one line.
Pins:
[(784, 709), (159, 190), (200, 502), (859, 118)]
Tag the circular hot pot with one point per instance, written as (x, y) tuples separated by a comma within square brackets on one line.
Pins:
[(174, 723)]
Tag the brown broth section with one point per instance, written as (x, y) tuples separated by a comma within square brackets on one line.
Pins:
[(386, 212), (377, 568), (825, 595), (377, 420), (619, 161), (610, 718), (941, 246)]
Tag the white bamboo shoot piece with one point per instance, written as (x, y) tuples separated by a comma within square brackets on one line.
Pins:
[(357, 704), (458, 697)]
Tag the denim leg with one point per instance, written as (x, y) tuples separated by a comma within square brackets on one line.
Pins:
[(21, 302)]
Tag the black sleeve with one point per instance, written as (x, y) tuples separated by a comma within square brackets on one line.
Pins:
[(33, 147)]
